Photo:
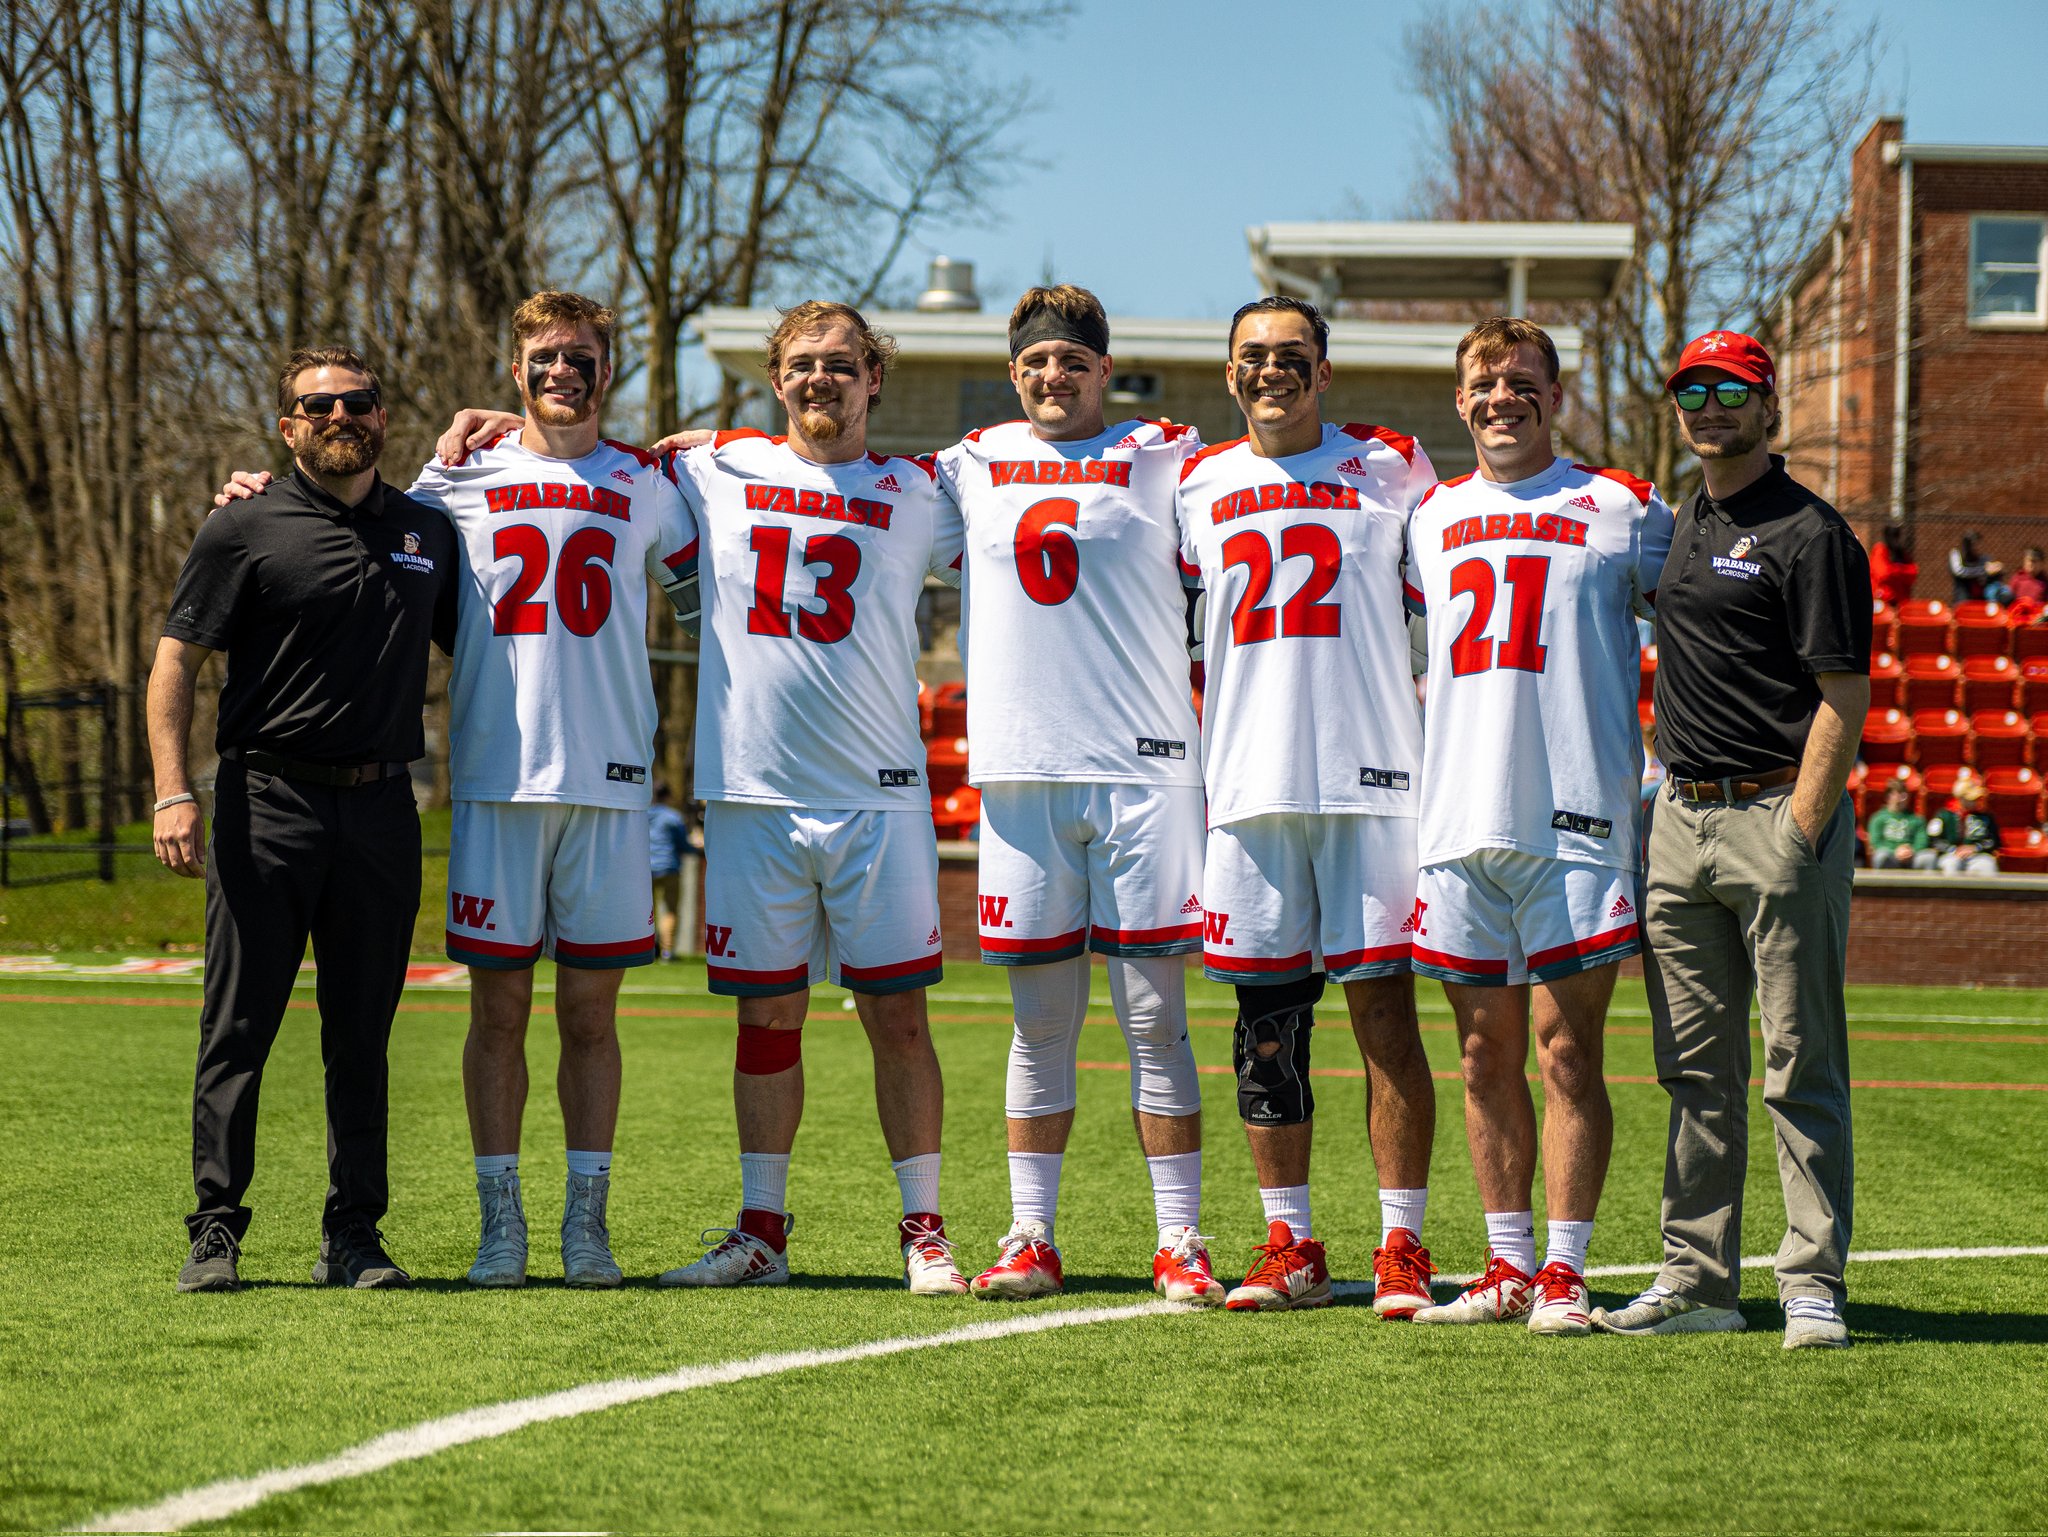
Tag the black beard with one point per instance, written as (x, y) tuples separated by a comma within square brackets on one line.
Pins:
[(340, 451)]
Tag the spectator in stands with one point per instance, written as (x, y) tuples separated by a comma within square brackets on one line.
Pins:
[(1898, 835), (1965, 839), (668, 840), (1973, 577), (1893, 571), (2030, 587)]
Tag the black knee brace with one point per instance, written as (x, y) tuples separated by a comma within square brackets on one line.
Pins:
[(1272, 1088)]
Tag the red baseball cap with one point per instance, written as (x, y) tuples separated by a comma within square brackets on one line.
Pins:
[(1731, 352)]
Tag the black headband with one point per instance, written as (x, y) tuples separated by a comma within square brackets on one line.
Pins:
[(1048, 325)]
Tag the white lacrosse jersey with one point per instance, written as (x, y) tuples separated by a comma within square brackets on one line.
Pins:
[(1531, 590), (1073, 626), (807, 662), (1310, 703), (552, 698)]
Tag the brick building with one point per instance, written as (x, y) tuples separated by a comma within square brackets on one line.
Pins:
[(1958, 437)]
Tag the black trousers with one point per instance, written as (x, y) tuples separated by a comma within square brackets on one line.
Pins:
[(288, 860)]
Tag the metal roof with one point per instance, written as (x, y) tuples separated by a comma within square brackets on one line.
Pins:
[(1441, 260)]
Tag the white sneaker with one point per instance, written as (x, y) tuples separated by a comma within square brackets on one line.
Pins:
[(586, 1240), (734, 1259), (501, 1250), (928, 1265), (1811, 1323), (1558, 1302), (1501, 1296), (1661, 1310)]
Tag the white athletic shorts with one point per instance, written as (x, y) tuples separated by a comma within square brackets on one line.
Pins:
[(1499, 917), (1068, 867), (1292, 892), (794, 896), (527, 878)]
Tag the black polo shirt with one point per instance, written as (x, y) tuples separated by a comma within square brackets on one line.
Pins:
[(325, 612), (1759, 594)]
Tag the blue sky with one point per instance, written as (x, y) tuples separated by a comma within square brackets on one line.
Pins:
[(1184, 109)]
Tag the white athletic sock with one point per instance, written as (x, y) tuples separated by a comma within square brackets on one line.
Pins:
[(1512, 1236), (1288, 1204), (590, 1165), (1176, 1192), (497, 1165), (918, 1178), (1403, 1208), (1568, 1244), (764, 1182), (1035, 1189)]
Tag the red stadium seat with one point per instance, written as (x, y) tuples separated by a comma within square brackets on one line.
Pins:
[(2030, 640), (956, 815), (1885, 673), (1884, 626), (1989, 683), (1649, 674), (1877, 783), (949, 712), (1924, 625), (2040, 725), (2015, 797), (924, 709), (945, 766), (2022, 851), (1983, 629), (1930, 684), (2032, 694), (1940, 737), (2000, 739), (1887, 737)]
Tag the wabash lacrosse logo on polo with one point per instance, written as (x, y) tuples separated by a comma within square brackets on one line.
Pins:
[(409, 555)]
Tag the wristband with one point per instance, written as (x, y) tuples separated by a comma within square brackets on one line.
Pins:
[(173, 800)]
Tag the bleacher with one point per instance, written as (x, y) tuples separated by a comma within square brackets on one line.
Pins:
[(942, 714), (1952, 687)]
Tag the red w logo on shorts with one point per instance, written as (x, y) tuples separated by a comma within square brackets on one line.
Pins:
[(1213, 925), (992, 910), (718, 939), (467, 912)]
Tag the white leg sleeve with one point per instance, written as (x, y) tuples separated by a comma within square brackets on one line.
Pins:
[(1049, 1002), (1151, 998)]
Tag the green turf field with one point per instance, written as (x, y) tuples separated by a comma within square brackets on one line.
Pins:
[(119, 1393)]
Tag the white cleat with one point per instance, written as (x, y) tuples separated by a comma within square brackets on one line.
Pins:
[(1811, 1323), (1502, 1296), (733, 1258), (928, 1265), (1661, 1310), (1558, 1303), (501, 1250), (586, 1240)]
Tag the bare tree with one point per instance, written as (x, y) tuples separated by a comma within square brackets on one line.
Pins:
[(1719, 129)]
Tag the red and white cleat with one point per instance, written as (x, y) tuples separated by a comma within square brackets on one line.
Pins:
[(1400, 1272), (928, 1264), (1285, 1275), (1560, 1304), (1180, 1271), (1501, 1296), (1028, 1266), (733, 1257)]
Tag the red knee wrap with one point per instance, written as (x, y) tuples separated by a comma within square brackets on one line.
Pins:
[(763, 1051)]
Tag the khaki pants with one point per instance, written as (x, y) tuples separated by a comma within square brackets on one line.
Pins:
[(1739, 904)]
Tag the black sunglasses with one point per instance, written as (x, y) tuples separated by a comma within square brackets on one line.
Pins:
[(1730, 392), (355, 402)]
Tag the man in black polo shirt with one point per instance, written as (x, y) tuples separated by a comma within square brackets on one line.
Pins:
[(324, 592), (1763, 679)]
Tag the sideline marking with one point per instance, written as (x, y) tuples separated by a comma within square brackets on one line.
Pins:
[(1213, 1069), (231, 1496)]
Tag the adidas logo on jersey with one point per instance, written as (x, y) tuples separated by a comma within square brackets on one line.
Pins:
[(1621, 909), (933, 937), (1191, 905), (621, 475), (1414, 923), (888, 483), (1130, 441), (1352, 466), (1584, 504)]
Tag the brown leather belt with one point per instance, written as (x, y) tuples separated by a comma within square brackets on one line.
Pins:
[(1732, 790), (340, 775)]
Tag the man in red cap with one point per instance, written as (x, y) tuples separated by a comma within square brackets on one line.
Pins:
[(1763, 649)]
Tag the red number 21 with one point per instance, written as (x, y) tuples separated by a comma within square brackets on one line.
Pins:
[(1523, 649)]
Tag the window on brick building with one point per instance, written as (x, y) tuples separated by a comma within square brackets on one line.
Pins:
[(2007, 268)]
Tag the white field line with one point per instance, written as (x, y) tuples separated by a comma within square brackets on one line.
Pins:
[(231, 1496)]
